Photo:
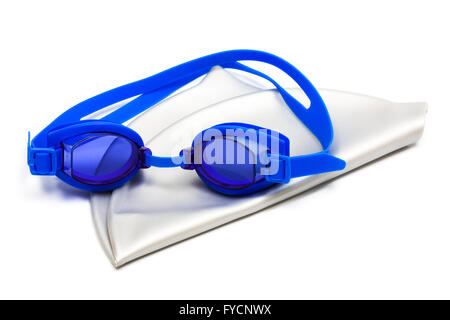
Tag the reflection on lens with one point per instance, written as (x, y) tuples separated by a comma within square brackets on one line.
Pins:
[(103, 159), (217, 168)]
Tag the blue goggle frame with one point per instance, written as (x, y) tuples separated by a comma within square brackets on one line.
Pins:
[(48, 151)]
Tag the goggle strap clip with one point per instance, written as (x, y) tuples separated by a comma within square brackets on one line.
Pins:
[(44, 161)]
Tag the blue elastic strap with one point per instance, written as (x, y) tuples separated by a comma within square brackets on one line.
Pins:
[(314, 122), (316, 116), (149, 99)]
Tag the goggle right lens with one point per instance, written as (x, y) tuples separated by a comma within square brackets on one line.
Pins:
[(231, 165)]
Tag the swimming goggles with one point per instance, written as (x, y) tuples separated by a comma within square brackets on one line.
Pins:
[(103, 154)]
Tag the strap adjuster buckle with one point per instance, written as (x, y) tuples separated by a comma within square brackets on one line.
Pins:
[(43, 161), (278, 169)]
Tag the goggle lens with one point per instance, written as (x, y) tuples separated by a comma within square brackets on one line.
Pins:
[(229, 164), (103, 159)]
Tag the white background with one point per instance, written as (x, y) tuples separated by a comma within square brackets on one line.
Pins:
[(380, 232)]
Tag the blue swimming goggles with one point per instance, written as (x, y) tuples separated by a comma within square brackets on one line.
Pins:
[(103, 154)]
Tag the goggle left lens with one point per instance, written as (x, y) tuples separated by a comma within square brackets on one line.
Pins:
[(101, 159)]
